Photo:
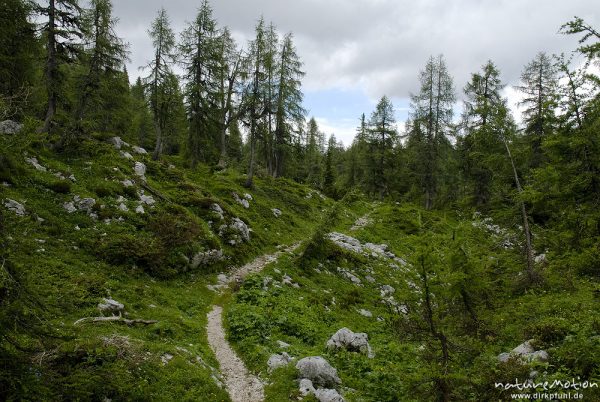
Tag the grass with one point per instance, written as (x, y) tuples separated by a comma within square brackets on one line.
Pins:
[(70, 261)]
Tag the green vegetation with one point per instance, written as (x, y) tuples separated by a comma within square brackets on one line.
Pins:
[(470, 235)]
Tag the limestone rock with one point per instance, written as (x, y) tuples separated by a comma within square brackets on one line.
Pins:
[(15, 206), (240, 227), (328, 395), (111, 306), (306, 387), (127, 183), (206, 258), (117, 142), (318, 371), (146, 199), (242, 201), (352, 341), (10, 127), (216, 208), (276, 212), (126, 155), (139, 150), (34, 162), (279, 360), (140, 169), (140, 209), (365, 313)]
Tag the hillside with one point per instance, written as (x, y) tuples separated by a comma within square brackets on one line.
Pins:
[(107, 222), (78, 235)]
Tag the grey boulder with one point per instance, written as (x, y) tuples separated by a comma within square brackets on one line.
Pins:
[(10, 127), (318, 371), (351, 341)]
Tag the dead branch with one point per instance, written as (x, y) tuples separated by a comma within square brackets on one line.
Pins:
[(114, 318)]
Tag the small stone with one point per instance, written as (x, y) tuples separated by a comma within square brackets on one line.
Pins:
[(279, 360), (306, 387), (126, 155), (16, 207), (127, 183), (365, 313), (10, 127), (140, 169), (139, 209), (123, 207), (319, 371), (139, 150), (276, 212), (34, 162)]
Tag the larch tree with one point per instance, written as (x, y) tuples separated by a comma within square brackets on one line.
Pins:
[(105, 55), (17, 57), (481, 145), (539, 88), (289, 110), (62, 31), (382, 135), (159, 80), (200, 57), (254, 105), (230, 72), (432, 115)]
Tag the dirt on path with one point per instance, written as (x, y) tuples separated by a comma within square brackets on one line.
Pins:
[(241, 385)]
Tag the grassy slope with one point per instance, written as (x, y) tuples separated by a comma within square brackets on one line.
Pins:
[(69, 271), (561, 318)]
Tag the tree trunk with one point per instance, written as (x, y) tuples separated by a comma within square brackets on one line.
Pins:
[(532, 275), (51, 68)]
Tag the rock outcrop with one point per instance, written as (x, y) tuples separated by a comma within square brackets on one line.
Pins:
[(351, 341)]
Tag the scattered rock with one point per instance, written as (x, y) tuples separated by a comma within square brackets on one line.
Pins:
[(276, 212), (279, 360), (140, 169), (248, 197), (306, 387), (283, 345), (318, 371), (216, 208), (351, 341), (349, 275), (123, 207), (328, 395), (70, 207), (127, 183), (85, 204), (34, 162), (139, 209), (526, 353), (206, 258), (240, 227), (387, 290), (111, 306), (126, 155), (361, 223), (10, 127), (139, 150), (242, 201), (166, 358), (146, 199), (365, 313), (117, 142), (16, 207)]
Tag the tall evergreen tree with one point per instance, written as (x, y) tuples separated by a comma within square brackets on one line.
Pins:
[(255, 106), (382, 136), (105, 54), (200, 49), (289, 109), (62, 31), (539, 79), (159, 80), (481, 146), (432, 116), (17, 56)]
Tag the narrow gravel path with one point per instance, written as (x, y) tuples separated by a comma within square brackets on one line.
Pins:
[(241, 385)]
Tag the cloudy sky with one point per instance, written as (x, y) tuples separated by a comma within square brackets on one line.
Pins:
[(355, 51)]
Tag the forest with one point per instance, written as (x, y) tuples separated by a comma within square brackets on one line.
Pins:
[(496, 218)]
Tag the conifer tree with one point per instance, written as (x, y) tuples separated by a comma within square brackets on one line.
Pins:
[(62, 30), (432, 116), (382, 135), (539, 79), (160, 79)]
